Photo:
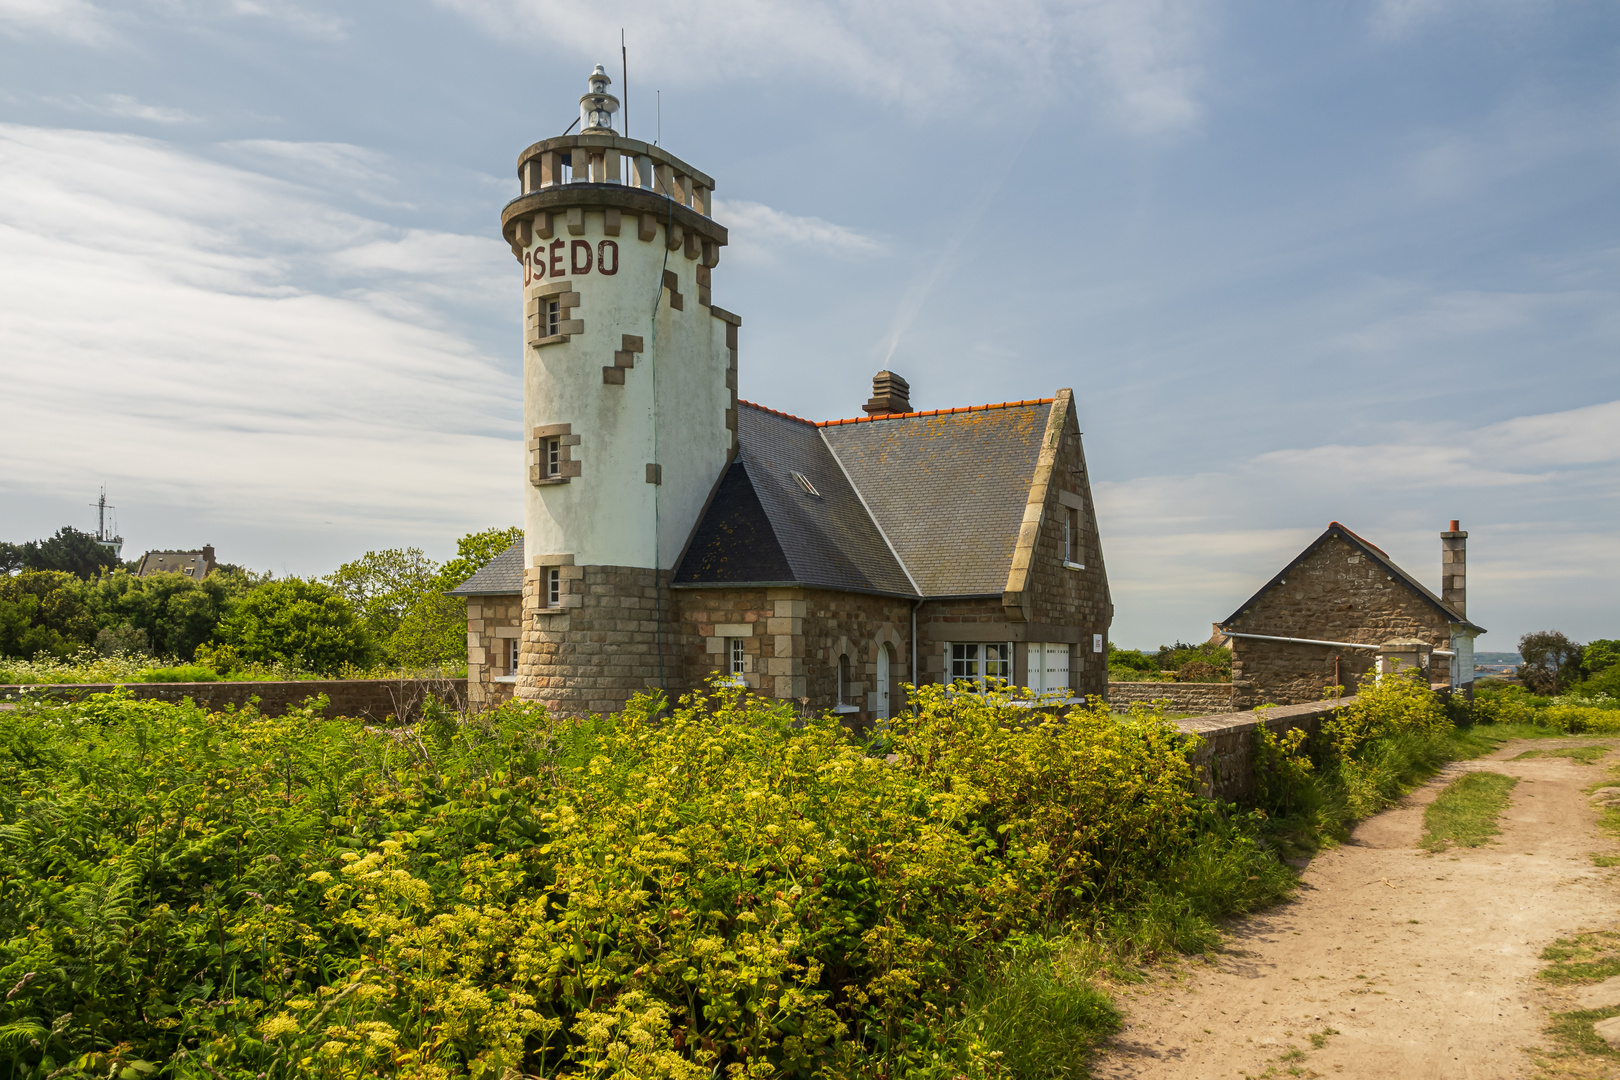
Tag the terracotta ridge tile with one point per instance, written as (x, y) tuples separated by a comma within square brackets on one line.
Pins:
[(1375, 547), (774, 412), (931, 412)]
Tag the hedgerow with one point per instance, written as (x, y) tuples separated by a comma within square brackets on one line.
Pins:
[(726, 886)]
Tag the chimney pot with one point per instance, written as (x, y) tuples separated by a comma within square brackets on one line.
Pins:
[(890, 394), (1456, 526)]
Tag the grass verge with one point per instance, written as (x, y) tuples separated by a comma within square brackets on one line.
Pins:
[(1589, 754), (1466, 811), (1584, 958)]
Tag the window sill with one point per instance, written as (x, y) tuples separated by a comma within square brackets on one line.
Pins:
[(846, 708), (559, 610), (1067, 565), (554, 339), (549, 480), (505, 678)]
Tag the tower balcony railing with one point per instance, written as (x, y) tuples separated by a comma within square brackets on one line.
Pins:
[(613, 159)]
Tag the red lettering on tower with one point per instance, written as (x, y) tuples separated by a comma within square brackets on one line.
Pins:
[(556, 267), (603, 250), (576, 249)]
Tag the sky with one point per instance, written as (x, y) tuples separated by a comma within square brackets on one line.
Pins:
[(1353, 260)]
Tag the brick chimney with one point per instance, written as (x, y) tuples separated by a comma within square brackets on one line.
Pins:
[(1454, 569), (890, 394)]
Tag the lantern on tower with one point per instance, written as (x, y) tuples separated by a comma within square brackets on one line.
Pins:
[(596, 108)]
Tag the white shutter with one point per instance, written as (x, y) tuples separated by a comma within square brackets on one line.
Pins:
[(1057, 667), (1035, 666)]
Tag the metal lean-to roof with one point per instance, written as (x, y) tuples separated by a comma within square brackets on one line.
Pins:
[(1377, 555), (501, 576)]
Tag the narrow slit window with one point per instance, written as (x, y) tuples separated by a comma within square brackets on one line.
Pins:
[(553, 587), (551, 315), (734, 647), (553, 457), (511, 656), (843, 680)]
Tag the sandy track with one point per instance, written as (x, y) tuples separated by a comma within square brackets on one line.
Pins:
[(1423, 964)]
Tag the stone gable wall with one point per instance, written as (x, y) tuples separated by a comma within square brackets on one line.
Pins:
[(1059, 595), (1335, 594), (492, 621), (940, 622)]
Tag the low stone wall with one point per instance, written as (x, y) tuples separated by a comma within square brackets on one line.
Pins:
[(1226, 760), (1198, 698), (367, 699)]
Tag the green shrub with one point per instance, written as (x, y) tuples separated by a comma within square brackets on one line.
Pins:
[(183, 673), (304, 624)]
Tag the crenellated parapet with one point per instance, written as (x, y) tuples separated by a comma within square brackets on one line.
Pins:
[(608, 172)]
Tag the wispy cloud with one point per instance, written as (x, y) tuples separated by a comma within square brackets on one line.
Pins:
[(1139, 57), (125, 107), (206, 336), (761, 233), (76, 21)]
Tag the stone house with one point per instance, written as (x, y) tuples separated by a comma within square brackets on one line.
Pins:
[(193, 564), (674, 533), (494, 598), (1342, 609)]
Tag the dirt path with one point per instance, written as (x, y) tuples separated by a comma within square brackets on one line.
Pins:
[(1416, 965)]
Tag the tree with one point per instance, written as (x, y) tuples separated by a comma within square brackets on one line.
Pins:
[(474, 552), (171, 613), (44, 611), (382, 585), (305, 624), (1600, 655), (1551, 661), (11, 558), (71, 551)]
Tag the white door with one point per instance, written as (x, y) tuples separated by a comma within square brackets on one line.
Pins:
[(883, 682), (1057, 667)]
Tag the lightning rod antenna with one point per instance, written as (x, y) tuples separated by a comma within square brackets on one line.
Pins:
[(624, 78)]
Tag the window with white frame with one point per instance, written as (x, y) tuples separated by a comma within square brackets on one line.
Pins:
[(980, 662), (735, 654), (550, 318), (553, 586), (511, 656), (1048, 666), (553, 457)]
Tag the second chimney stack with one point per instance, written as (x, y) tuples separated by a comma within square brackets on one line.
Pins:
[(1454, 569), (890, 394)]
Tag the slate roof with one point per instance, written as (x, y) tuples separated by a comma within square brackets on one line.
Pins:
[(948, 489), (764, 528), (501, 576), (917, 504), (1377, 555)]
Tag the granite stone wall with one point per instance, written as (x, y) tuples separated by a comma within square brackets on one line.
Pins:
[(1335, 594), (367, 699), (1225, 762), (1196, 698)]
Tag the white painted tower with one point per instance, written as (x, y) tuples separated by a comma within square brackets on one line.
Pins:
[(629, 402)]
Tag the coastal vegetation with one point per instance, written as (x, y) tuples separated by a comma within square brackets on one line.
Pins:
[(718, 885)]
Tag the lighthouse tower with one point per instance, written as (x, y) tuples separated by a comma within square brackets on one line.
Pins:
[(629, 403)]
